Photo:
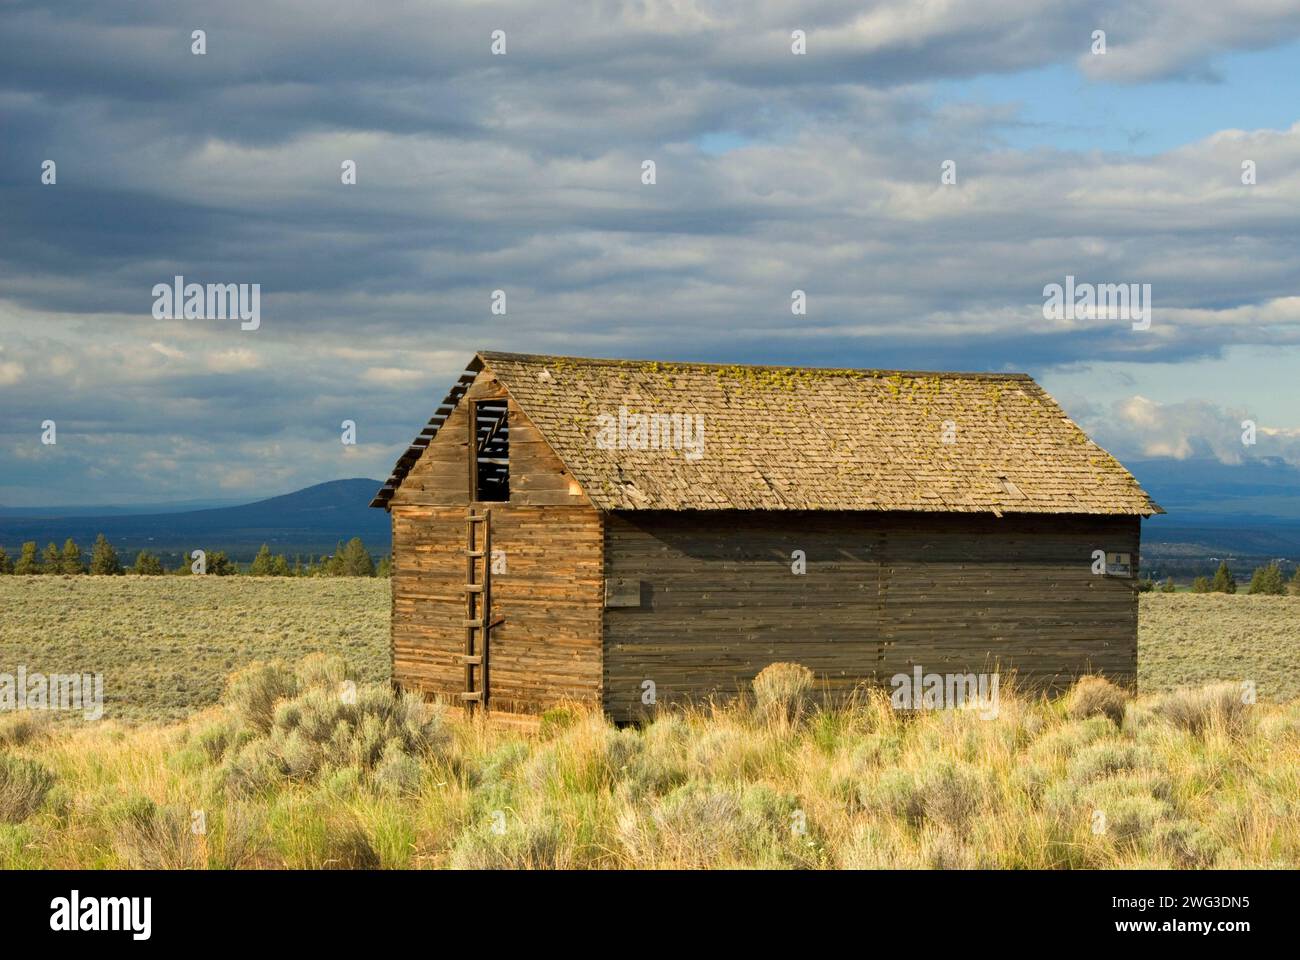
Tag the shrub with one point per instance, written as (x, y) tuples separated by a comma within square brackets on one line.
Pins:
[(508, 842), (321, 729), (23, 786), (1133, 819), (702, 825), (1106, 759), (1096, 697), (149, 837), (251, 769), (1195, 710), (1201, 585), (253, 692), (950, 793), (945, 792), (1187, 843), (782, 691), (22, 727), (398, 772), (1224, 581), (217, 739), (325, 670)]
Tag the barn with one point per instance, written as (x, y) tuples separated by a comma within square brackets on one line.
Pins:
[(590, 530)]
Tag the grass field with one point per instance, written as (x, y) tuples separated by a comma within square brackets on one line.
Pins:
[(1190, 638), (288, 773), (166, 644), (282, 771)]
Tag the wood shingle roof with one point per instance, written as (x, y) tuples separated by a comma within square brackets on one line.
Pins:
[(646, 435)]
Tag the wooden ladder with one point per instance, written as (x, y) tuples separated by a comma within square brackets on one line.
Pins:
[(478, 607)]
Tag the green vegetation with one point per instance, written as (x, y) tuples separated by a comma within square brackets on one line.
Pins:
[(147, 565), (1224, 581), (349, 560), (103, 559), (298, 768), (1268, 580), (28, 563), (70, 561)]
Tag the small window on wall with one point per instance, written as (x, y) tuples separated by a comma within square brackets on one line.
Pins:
[(490, 451)]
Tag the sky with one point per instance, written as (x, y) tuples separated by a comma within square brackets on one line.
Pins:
[(522, 171)]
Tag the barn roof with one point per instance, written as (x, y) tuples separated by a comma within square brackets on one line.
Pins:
[(798, 438)]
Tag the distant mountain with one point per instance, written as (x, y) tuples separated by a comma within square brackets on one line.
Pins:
[(1205, 489), (1247, 513), (307, 521)]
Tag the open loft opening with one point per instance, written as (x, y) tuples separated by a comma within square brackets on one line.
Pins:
[(490, 459)]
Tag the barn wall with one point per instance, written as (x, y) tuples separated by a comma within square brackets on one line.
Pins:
[(882, 593), (550, 594)]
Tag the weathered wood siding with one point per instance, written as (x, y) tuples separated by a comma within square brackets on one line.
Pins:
[(550, 594), (882, 593)]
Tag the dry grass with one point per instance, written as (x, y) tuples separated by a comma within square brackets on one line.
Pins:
[(288, 773), (1192, 780), (1187, 639), (165, 645), (1096, 697)]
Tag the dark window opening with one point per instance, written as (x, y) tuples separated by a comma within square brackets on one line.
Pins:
[(491, 450)]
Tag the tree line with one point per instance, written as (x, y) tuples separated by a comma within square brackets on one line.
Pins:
[(348, 560), (1268, 580)]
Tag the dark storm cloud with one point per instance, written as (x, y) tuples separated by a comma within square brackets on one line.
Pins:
[(522, 173)]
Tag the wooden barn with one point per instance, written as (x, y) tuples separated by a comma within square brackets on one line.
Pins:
[(570, 528)]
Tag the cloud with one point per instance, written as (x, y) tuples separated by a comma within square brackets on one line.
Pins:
[(522, 173), (11, 373), (233, 360), (171, 353), (394, 375), (1142, 428)]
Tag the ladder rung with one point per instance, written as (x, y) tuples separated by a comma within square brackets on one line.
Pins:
[(472, 623), (472, 695), (475, 518), (473, 588), (474, 554), (472, 660)]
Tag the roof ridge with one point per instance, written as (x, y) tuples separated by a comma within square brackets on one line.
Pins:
[(541, 358)]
